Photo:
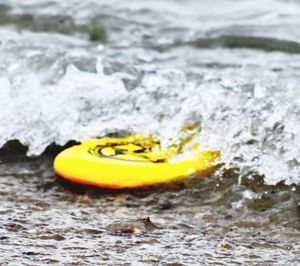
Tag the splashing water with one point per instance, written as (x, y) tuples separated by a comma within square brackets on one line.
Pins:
[(155, 74)]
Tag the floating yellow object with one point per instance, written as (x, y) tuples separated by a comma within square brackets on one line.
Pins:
[(130, 162)]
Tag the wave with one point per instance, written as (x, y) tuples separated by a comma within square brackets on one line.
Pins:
[(249, 42), (57, 86), (252, 121)]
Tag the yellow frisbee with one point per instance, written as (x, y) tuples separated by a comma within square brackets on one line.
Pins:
[(130, 162)]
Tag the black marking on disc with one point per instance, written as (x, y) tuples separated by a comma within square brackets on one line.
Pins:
[(119, 151), (97, 151)]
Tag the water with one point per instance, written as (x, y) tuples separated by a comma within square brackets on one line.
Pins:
[(215, 221), (73, 70)]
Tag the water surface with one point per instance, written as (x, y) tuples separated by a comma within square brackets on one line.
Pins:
[(73, 70)]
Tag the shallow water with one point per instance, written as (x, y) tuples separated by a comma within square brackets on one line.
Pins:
[(72, 70), (214, 221)]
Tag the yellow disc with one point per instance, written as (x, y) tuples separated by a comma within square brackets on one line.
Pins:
[(129, 162)]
